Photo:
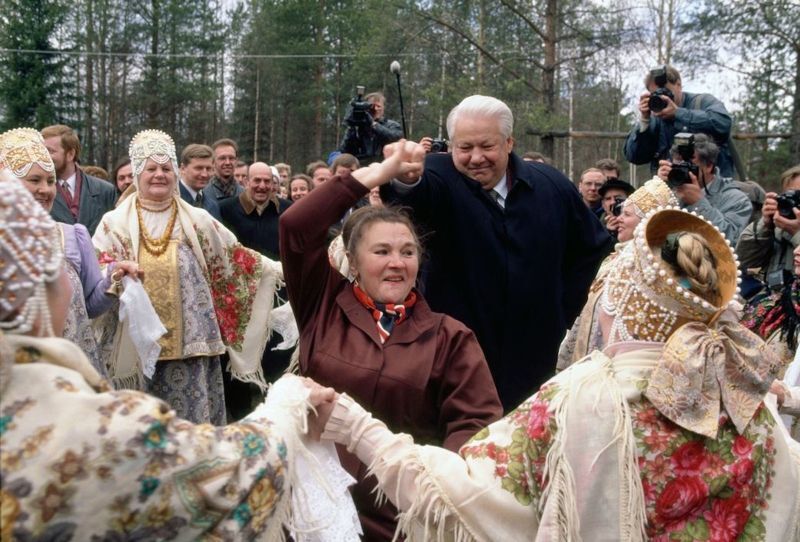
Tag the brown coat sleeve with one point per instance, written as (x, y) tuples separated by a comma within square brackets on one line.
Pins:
[(304, 248), (469, 397)]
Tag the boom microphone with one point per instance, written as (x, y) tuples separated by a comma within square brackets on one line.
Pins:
[(394, 67)]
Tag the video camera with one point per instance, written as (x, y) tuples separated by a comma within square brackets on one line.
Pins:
[(361, 111), (679, 174), (659, 77), (787, 202)]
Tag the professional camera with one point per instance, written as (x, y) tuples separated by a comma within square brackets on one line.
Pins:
[(361, 111), (616, 209), (684, 147), (439, 145), (655, 103), (787, 202)]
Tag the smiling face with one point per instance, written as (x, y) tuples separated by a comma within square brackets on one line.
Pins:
[(480, 151), (197, 173), (157, 181), (628, 221), (41, 185), (299, 189), (259, 184), (224, 161), (386, 261)]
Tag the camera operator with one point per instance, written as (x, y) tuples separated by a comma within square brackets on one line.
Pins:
[(767, 244), (613, 194), (666, 110), (698, 185), (367, 129)]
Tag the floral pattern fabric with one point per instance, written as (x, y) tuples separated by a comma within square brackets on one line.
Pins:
[(81, 465), (695, 488), (78, 327)]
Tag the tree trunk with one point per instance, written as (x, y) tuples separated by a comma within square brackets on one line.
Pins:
[(549, 72), (794, 141)]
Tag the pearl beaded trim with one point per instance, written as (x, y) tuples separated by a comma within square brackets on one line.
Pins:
[(643, 295), (153, 144), (30, 257), (21, 148)]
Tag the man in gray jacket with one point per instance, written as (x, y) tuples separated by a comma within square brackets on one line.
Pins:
[(767, 244), (710, 195)]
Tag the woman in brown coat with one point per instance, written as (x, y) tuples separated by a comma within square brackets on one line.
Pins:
[(377, 339)]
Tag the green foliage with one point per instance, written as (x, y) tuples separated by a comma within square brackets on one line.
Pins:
[(27, 80)]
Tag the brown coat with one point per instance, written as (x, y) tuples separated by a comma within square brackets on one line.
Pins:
[(430, 379)]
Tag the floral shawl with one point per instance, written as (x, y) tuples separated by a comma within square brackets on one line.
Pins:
[(242, 284), (77, 464), (588, 458)]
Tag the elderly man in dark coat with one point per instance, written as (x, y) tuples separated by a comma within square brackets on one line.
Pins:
[(513, 248)]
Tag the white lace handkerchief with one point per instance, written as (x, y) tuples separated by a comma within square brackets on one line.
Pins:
[(282, 322), (323, 509), (144, 326)]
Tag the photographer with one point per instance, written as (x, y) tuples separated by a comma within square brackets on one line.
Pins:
[(613, 194), (698, 185), (767, 244), (666, 110), (367, 129)]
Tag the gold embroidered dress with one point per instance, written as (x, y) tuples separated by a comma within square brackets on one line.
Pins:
[(212, 294)]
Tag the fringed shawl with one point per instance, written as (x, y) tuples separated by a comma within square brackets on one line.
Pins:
[(242, 284)]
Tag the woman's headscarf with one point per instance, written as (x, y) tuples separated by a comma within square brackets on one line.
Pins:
[(30, 257)]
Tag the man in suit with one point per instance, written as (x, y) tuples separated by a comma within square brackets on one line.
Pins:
[(513, 248), (80, 198), (196, 169)]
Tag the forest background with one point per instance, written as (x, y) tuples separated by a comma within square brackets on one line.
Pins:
[(277, 75)]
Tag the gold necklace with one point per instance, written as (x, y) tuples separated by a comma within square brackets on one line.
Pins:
[(156, 247)]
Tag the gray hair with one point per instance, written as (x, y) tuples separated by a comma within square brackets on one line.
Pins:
[(704, 147), (482, 106)]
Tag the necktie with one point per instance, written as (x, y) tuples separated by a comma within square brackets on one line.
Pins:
[(198, 199), (65, 186)]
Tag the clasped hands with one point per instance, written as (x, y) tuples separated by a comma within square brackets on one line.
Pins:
[(322, 399)]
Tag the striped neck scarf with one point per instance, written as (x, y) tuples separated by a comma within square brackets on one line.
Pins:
[(386, 315)]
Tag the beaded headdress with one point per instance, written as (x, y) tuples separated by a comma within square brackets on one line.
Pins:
[(153, 144), (21, 148), (30, 257), (651, 195), (643, 294)]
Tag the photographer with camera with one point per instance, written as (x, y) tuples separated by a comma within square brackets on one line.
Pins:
[(613, 194), (767, 244), (695, 179), (666, 110), (367, 129)]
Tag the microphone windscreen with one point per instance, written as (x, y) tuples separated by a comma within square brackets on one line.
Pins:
[(394, 66)]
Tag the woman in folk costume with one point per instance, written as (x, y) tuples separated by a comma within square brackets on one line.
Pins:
[(776, 319), (212, 294), (663, 435), (24, 155), (584, 335), (82, 462)]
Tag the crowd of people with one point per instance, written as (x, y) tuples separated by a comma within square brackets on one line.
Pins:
[(497, 352)]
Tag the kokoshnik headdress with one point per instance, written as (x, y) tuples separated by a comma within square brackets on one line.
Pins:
[(153, 144), (30, 257), (651, 195), (706, 361), (21, 148)]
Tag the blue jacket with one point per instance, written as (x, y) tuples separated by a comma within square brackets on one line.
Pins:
[(519, 276), (209, 202), (698, 114)]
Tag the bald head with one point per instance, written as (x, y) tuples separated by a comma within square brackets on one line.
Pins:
[(259, 182)]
